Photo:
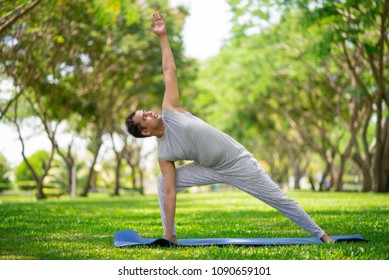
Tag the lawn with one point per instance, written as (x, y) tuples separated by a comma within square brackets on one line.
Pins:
[(83, 228)]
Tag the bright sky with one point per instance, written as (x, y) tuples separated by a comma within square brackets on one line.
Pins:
[(204, 31), (206, 27)]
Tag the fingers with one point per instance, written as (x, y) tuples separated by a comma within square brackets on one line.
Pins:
[(157, 21), (157, 17)]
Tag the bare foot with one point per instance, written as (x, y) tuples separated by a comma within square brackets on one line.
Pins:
[(174, 239), (171, 238), (327, 239)]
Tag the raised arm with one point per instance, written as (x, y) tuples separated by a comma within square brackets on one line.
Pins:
[(171, 95)]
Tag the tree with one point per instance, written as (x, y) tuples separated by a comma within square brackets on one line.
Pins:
[(119, 156), (35, 168), (132, 154), (93, 61), (321, 68), (355, 35), (11, 12), (5, 171)]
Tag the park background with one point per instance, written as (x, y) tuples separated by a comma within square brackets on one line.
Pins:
[(302, 84)]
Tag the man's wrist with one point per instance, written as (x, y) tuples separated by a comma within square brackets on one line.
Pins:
[(161, 36)]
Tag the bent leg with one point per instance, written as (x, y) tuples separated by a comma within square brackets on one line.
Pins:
[(188, 175), (255, 181)]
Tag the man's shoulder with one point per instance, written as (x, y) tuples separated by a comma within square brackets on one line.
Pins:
[(174, 111), (174, 115)]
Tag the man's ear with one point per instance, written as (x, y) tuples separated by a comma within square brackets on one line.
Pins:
[(146, 132)]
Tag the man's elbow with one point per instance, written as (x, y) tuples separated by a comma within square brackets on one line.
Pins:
[(169, 69), (169, 191)]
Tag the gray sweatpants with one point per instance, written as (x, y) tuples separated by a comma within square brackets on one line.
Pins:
[(247, 175)]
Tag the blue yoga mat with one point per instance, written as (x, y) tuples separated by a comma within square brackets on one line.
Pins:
[(131, 238)]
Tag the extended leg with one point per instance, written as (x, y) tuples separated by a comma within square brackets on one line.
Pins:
[(249, 176)]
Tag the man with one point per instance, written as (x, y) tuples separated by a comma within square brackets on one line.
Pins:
[(217, 158)]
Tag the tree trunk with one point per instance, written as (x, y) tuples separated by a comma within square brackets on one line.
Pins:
[(39, 188), (376, 162), (384, 186), (343, 158), (142, 188), (312, 183), (37, 179), (295, 165), (133, 177), (70, 165), (119, 157), (366, 182), (339, 175), (297, 178), (324, 183), (73, 180), (89, 181), (94, 181), (332, 179), (379, 66), (117, 175), (297, 174)]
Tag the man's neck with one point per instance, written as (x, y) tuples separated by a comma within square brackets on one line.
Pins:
[(160, 131)]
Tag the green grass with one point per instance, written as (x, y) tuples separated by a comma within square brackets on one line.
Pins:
[(84, 228)]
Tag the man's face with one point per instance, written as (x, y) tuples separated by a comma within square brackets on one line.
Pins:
[(147, 119)]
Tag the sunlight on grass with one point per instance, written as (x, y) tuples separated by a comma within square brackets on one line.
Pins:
[(83, 228)]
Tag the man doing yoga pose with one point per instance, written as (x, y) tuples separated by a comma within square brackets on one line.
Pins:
[(217, 158)]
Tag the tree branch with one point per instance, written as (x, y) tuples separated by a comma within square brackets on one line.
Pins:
[(19, 14), (4, 111), (353, 71)]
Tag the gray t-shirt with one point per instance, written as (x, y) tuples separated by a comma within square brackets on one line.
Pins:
[(187, 137)]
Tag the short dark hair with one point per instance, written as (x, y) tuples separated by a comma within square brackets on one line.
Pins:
[(135, 129)]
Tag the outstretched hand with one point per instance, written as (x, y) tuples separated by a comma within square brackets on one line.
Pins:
[(327, 239), (158, 25)]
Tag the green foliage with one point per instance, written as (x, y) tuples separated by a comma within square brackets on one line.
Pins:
[(5, 172), (83, 229), (250, 88), (299, 85), (26, 185), (89, 63), (49, 188), (288, 82), (37, 160), (95, 59)]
